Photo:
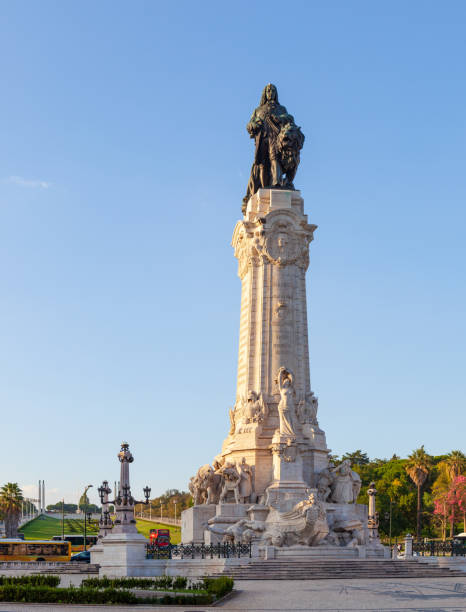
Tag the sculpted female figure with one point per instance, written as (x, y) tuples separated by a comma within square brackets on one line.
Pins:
[(286, 406), (245, 484)]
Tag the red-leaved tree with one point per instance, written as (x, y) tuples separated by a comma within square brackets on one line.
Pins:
[(451, 505)]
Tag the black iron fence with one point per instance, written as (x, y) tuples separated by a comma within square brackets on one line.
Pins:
[(439, 548), (224, 550)]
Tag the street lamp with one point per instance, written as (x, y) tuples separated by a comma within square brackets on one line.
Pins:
[(87, 519), (85, 514), (175, 502), (125, 504), (388, 517)]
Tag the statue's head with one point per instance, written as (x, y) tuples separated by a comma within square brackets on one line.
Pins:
[(346, 466), (269, 94)]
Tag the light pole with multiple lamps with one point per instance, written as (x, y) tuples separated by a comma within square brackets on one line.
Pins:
[(105, 523), (124, 502)]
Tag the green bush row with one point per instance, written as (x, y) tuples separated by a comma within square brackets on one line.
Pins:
[(214, 586), (33, 580), (218, 586), (185, 600), (45, 594), (161, 583)]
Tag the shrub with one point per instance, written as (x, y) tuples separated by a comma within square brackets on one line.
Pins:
[(33, 580), (45, 594), (185, 600), (218, 586), (163, 582), (118, 583), (180, 583)]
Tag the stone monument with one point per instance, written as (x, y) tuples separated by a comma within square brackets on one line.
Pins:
[(272, 482)]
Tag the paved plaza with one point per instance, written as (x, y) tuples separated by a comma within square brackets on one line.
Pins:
[(414, 595)]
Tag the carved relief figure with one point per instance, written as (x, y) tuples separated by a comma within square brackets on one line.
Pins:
[(247, 411), (205, 487), (199, 496), (343, 483), (316, 521), (324, 484), (230, 482), (286, 407), (245, 484), (356, 484)]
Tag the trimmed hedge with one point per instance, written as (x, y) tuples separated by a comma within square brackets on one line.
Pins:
[(127, 583), (45, 594), (33, 580), (43, 589), (162, 583), (219, 586), (185, 600), (214, 586)]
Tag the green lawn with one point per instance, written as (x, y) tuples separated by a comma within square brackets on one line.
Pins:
[(44, 528)]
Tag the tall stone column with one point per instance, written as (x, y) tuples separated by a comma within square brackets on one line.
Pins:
[(271, 244)]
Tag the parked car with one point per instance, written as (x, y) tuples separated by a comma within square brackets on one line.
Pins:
[(82, 557)]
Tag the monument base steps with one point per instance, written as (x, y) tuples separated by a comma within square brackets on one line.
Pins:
[(324, 569)]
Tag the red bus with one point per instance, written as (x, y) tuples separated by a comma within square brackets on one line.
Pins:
[(159, 537)]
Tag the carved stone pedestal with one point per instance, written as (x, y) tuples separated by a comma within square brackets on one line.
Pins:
[(288, 486), (225, 516), (194, 522), (121, 554)]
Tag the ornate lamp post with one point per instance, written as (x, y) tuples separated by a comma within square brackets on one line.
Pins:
[(124, 502), (105, 523)]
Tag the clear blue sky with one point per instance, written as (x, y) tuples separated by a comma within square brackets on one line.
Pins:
[(123, 163)]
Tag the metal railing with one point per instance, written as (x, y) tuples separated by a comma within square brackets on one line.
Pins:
[(145, 516), (191, 551), (440, 548)]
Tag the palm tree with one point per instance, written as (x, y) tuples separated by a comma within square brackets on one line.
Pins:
[(11, 497), (456, 464), (418, 468)]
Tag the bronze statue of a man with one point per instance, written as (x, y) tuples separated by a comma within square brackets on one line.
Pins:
[(278, 143)]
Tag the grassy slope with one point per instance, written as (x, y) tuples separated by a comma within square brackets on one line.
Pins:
[(47, 527)]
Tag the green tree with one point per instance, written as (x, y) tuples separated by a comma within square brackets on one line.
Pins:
[(357, 457), (418, 467), (71, 508), (11, 498)]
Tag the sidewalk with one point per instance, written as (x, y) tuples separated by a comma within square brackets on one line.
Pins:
[(413, 595)]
